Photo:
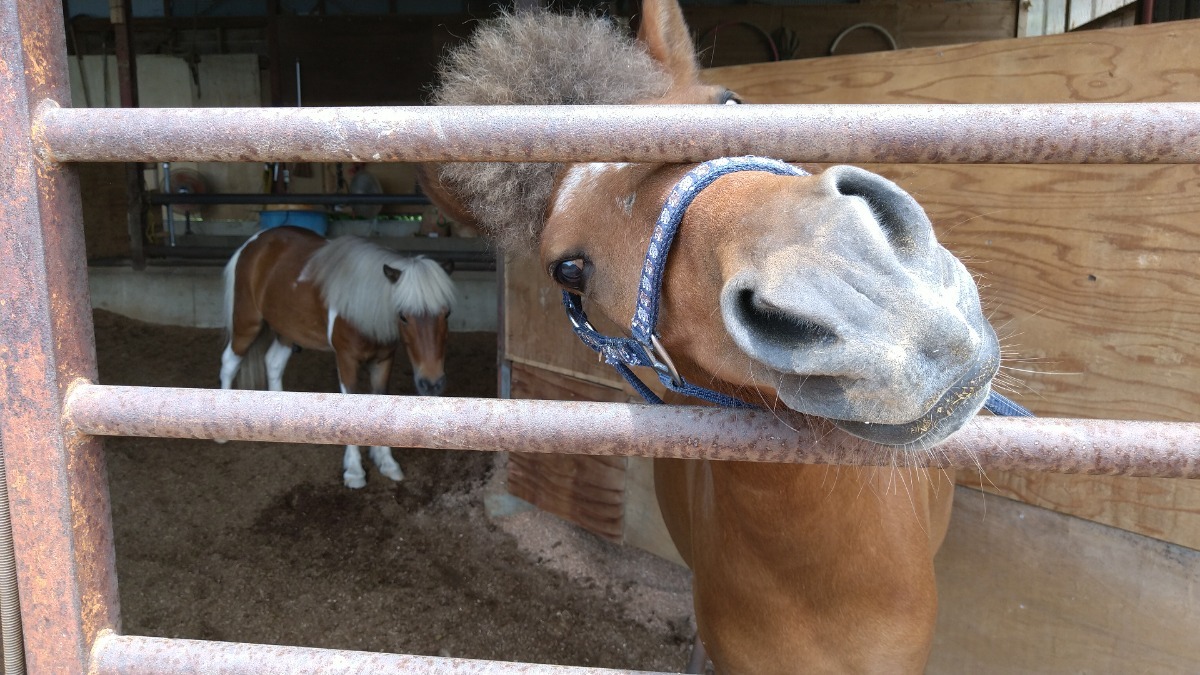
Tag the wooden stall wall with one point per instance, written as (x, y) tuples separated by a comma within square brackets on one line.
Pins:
[(610, 496), (1090, 275), (762, 32)]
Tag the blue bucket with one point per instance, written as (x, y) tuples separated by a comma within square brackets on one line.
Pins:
[(317, 221)]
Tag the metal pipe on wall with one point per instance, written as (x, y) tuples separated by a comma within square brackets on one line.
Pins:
[(1078, 133)]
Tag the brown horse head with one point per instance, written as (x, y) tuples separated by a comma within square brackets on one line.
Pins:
[(422, 295), (827, 293)]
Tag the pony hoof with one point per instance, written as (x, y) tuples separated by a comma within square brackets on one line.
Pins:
[(392, 472), (354, 482)]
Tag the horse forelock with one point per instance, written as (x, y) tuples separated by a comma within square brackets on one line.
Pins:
[(536, 58), (349, 273), (423, 287)]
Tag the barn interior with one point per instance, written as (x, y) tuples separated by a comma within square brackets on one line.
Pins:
[(1089, 273)]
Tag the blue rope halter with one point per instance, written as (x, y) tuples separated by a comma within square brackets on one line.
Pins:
[(644, 348)]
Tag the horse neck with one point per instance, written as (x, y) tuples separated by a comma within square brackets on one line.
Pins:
[(833, 566)]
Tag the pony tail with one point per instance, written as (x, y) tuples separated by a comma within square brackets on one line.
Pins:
[(230, 281), (253, 372)]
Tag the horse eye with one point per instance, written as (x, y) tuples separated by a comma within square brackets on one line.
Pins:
[(569, 273), (404, 319), (729, 98)]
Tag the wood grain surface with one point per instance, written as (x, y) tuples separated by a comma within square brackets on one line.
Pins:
[(1026, 590)]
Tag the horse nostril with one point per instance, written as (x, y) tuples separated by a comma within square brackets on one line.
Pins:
[(779, 326), (894, 210)]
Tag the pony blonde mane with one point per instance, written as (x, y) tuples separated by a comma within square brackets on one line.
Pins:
[(536, 58), (348, 271)]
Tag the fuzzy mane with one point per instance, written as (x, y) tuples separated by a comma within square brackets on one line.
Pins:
[(349, 273), (536, 58)]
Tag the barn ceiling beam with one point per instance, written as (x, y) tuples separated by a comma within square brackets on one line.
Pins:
[(1082, 133), (1109, 447)]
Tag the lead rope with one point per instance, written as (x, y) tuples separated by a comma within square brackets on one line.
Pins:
[(644, 348)]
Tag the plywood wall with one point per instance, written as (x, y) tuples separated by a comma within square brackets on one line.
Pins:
[(745, 34), (164, 81), (1026, 590), (1090, 271)]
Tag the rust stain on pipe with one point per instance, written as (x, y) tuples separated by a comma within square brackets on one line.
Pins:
[(1163, 449), (1116, 133), (128, 655)]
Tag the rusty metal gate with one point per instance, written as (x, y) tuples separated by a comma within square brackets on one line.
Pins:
[(53, 412)]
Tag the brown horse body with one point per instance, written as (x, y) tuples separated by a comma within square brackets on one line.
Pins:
[(280, 287), (825, 298), (808, 568)]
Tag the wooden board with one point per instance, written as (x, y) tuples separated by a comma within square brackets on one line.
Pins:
[(644, 526), (1089, 271), (102, 193), (1160, 62), (536, 329), (1026, 590), (807, 31), (217, 80), (584, 489)]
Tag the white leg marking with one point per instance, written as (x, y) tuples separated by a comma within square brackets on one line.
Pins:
[(230, 363), (353, 474), (277, 358), (388, 466)]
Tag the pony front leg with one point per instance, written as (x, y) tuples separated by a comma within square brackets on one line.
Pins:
[(381, 372), (353, 474)]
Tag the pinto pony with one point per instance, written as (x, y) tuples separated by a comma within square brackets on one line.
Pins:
[(825, 298), (289, 288)]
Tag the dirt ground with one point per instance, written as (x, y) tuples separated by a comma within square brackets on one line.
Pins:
[(257, 542)]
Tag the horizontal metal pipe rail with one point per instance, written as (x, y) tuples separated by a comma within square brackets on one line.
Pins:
[(994, 134), (1162, 449), (132, 655)]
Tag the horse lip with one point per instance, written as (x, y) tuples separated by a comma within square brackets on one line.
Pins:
[(956, 406)]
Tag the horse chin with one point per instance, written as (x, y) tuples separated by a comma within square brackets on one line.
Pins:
[(957, 404), (954, 409)]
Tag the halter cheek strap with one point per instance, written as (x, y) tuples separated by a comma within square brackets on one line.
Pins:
[(645, 348)]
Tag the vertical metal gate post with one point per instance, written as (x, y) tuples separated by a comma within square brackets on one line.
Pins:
[(58, 494)]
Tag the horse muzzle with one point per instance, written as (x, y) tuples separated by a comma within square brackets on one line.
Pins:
[(427, 387), (956, 406)]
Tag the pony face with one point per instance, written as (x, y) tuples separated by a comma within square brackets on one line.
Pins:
[(425, 340), (422, 297), (829, 294), (826, 294)]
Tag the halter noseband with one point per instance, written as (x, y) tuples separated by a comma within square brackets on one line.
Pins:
[(645, 348)]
